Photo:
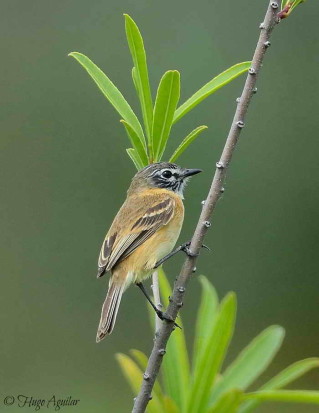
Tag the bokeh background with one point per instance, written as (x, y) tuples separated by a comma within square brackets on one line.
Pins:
[(64, 173)]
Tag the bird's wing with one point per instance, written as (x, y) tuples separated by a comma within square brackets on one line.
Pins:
[(118, 246)]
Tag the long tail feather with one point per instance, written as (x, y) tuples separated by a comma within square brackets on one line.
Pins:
[(109, 311)]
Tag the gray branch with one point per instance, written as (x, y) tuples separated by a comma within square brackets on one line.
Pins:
[(203, 224)]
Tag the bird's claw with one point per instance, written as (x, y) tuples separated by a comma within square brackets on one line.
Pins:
[(206, 247), (162, 316), (186, 249)]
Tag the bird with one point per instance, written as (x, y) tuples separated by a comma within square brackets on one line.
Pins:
[(143, 233)]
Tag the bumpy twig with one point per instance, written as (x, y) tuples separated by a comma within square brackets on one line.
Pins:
[(163, 334)]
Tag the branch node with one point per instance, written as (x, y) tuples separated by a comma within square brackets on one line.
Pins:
[(207, 224), (220, 165), (203, 202), (180, 304), (240, 124), (262, 25), (181, 289), (222, 190), (274, 5), (161, 351), (252, 71), (267, 44), (194, 269), (146, 376), (254, 90), (238, 100)]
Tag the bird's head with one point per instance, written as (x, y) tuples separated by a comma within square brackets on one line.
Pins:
[(163, 175)]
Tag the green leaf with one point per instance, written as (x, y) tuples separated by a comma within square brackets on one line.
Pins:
[(216, 83), (291, 373), (111, 92), (134, 376), (296, 3), (291, 4), (287, 396), (135, 80), (250, 363), (136, 142), (142, 361), (282, 379), (135, 158), (131, 371), (206, 318), (211, 359), (165, 105), (186, 142), (228, 403), (175, 368), (140, 358), (136, 45), (170, 406)]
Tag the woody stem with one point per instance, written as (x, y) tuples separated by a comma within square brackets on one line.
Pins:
[(163, 334)]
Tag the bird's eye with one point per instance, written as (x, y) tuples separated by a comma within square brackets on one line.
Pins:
[(167, 174)]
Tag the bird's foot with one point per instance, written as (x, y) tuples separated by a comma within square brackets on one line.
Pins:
[(183, 247), (188, 252), (162, 316)]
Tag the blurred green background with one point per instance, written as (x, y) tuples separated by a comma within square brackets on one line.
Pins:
[(64, 174)]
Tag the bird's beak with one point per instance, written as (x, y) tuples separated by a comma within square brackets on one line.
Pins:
[(191, 172)]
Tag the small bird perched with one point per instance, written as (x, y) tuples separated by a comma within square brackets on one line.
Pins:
[(142, 234)]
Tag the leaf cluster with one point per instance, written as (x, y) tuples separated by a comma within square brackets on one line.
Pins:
[(199, 383), (149, 142), (287, 6)]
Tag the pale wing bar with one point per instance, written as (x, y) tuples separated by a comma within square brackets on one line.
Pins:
[(113, 251)]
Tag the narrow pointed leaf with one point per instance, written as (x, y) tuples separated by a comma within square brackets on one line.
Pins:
[(111, 92), (287, 7), (212, 86), (135, 80), (137, 143), (175, 368), (134, 376), (170, 406), (296, 3), (211, 359), (166, 100), (287, 396), (136, 45), (186, 142), (206, 318), (282, 379), (142, 360), (250, 363), (291, 373), (228, 403), (135, 158)]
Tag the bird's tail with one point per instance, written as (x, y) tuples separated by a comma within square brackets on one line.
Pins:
[(109, 310)]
